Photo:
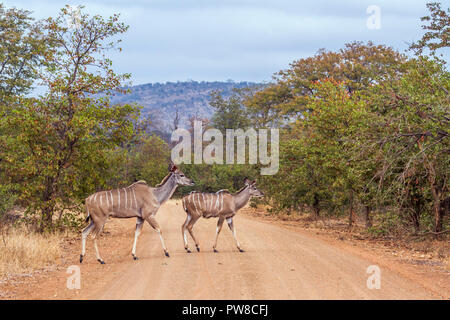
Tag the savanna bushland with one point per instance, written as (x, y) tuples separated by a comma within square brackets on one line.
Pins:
[(364, 130)]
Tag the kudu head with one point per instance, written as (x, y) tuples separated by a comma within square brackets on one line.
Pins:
[(253, 191), (179, 176)]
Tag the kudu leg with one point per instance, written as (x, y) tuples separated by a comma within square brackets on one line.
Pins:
[(97, 231), (219, 227), (191, 231), (152, 221), (183, 233), (137, 232), (84, 235), (233, 230)]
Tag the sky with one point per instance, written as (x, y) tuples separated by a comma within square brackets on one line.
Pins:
[(241, 40)]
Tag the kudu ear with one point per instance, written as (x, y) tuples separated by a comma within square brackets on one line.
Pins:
[(247, 181), (172, 167), (253, 182)]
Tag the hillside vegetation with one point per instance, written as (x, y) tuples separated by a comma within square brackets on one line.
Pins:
[(161, 101)]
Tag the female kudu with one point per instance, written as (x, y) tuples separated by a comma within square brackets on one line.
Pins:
[(221, 204), (135, 201)]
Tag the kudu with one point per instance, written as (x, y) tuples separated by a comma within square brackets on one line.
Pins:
[(135, 201), (221, 204)]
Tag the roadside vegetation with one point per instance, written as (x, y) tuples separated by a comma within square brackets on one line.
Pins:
[(364, 132), (364, 135)]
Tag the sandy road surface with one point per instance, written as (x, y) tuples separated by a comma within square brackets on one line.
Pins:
[(278, 264)]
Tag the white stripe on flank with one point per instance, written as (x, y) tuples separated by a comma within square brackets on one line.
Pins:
[(193, 201), (118, 192), (135, 201), (107, 200), (221, 202), (130, 203), (95, 197), (203, 197), (191, 195), (198, 199), (112, 200), (101, 203), (193, 198), (126, 200)]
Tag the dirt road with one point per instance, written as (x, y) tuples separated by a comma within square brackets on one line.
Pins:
[(278, 264)]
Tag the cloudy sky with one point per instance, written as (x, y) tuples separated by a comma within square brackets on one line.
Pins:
[(246, 40)]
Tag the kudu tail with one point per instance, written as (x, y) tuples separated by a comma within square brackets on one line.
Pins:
[(88, 213)]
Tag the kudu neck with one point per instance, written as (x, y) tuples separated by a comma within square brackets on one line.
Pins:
[(165, 191), (241, 198)]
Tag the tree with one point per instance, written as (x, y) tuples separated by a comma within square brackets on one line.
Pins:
[(68, 134), (262, 105), (437, 35), (229, 113), (22, 46), (415, 140), (148, 160), (317, 165), (358, 65)]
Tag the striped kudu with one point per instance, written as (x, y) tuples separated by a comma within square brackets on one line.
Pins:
[(221, 204), (135, 201)]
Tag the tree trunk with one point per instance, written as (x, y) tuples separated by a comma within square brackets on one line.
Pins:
[(437, 210), (366, 214), (316, 208), (445, 207), (350, 213), (47, 207)]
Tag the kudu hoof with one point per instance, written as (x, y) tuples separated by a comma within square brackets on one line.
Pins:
[(188, 250), (198, 249), (101, 261), (215, 250), (167, 254), (240, 250), (135, 258), (81, 258)]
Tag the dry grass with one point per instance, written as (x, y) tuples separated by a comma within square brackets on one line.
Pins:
[(22, 251)]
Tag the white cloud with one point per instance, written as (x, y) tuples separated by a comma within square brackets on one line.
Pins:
[(239, 39)]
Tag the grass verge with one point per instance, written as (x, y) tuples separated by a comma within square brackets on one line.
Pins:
[(22, 251)]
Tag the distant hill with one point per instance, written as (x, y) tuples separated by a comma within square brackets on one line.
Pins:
[(162, 100)]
